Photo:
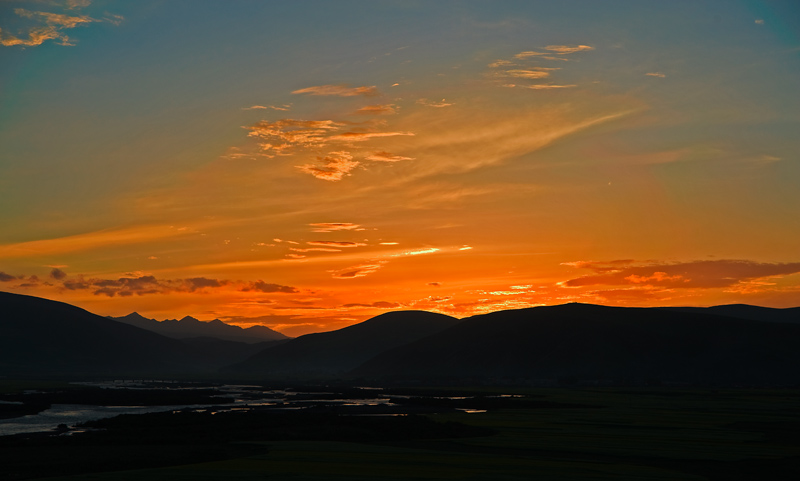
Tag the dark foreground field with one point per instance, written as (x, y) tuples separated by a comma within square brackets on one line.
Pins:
[(559, 434)]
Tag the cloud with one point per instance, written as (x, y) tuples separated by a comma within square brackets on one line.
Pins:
[(378, 304), (694, 274), (336, 165), (57, 274), (566, 49), (525, 71), (284, 136), (362, 136), (60, 20), (360, 270), (93, 240), (141, 285), (196, 283), (314, 249), (333, 226), (335, 243), (339, 91), (527, 74), (435, 284), (50, 26), (383, 156), (655, 74), (502, 63), (759, 21), (7, 277), (429, 103), (547, 86), (262, 286), (417, 252), (265, 107), (292, 132), (378, 109)]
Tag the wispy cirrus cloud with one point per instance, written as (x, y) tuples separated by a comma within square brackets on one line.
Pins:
[(334, 226), (523, 66), (314, 249), (336, 243), (46, 26), (339, 90), (363, 136), (547, 86), (283, 108), (534, 73), (432, 103), (655, 74), (568, 49), (286, 136), (383, 156), (93, 240), (360, 270), (378, 109)]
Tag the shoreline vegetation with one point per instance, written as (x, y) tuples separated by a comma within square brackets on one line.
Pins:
[(432, 433)]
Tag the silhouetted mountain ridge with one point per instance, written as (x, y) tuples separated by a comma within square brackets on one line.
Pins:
[(330, 354), (44, 337), (583, 341), (189, 327)]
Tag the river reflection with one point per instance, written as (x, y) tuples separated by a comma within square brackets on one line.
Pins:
[(358, 401)]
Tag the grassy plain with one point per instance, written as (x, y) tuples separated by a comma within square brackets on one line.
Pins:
[(598, 434)]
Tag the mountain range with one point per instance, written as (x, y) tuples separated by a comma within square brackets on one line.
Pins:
[(40, 337), (720, 346), (189, 327)]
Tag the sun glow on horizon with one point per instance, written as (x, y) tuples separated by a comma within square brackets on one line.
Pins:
[(498, 158)]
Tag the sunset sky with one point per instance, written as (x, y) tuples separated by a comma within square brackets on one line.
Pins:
[(308, 165)]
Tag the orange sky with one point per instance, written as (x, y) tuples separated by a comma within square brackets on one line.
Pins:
[(447, 157)]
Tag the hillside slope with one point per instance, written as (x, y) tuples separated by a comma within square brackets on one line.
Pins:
[(333, 353), (44, 337), (587, 342)]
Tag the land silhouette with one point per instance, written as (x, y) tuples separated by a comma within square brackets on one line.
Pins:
[(572, 343), (574, 391)]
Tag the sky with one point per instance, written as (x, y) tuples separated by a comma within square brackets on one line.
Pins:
[(309, 165)]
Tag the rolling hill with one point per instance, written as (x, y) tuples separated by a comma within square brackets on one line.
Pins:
[(44, 337), (587, 342), (331, 354)]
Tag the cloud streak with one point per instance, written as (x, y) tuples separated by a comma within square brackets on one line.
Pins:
[(92, 240), (334, 226), (339, 91), (386, 109)]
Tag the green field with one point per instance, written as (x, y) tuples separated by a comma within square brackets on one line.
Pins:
[(621, 434)]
